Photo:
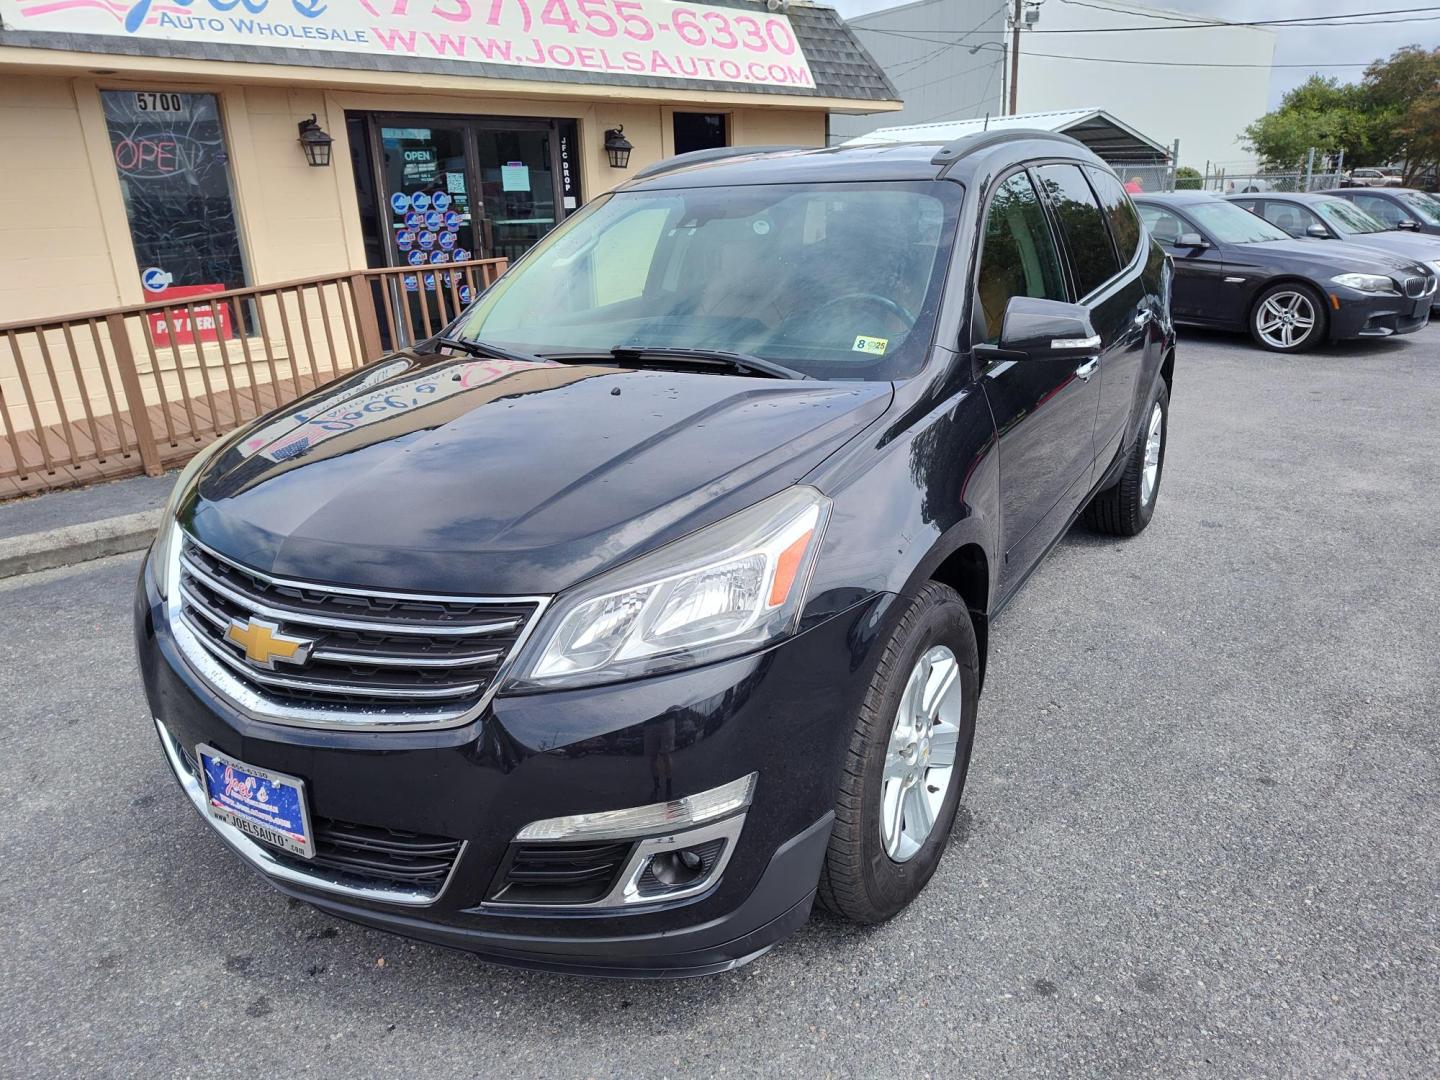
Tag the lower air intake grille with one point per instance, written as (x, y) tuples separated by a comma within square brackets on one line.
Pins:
[(388, 856), (559, 873)]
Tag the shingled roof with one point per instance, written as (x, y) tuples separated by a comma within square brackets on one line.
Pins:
[(841, 65)]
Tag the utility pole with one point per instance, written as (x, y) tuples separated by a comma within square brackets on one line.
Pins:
[(1015, 59)]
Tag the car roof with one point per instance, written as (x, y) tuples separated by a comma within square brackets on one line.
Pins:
[(929, 160), (1176, 198), (1302, 197), (1372, 191)]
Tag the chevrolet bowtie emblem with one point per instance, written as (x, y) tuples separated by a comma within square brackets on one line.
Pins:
[(264, 643)]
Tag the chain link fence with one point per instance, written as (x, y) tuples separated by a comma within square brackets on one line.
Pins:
[(1227, 183), (1149, 174)]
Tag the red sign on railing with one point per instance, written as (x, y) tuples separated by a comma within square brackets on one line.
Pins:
[(212, 321)]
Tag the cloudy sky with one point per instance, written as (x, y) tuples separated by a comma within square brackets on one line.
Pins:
[(1305, 45)]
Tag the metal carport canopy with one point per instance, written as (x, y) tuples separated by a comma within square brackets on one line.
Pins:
[(1110, 138)]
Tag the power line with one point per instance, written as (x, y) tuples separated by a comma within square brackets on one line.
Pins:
[(951, 75), (1353, 18), (1156, 63)]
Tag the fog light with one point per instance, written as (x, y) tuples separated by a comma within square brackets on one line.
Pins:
[(677, 869), (666, 817)]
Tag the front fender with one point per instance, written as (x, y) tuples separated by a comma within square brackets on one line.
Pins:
[(908, 496)]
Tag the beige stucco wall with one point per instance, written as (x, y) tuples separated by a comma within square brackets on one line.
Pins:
[(65, 242)]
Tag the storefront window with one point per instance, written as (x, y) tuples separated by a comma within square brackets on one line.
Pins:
[(174, 172)]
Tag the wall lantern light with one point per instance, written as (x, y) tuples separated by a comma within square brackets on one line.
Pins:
[(315, 142), (618, 148)]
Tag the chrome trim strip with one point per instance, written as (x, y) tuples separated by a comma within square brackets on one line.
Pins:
[(250, 702), (625, 895), (339, 656), (304, 618), (275, 864), (317, 686)]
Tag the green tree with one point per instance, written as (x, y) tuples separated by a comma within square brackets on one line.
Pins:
[(1187, 178), (1403, 95), (1392, 114), (1320, 112)]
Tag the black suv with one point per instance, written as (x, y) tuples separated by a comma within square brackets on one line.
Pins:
[(607, 629)]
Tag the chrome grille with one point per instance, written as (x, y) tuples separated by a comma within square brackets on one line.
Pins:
[(1415, 287), (372, 657)]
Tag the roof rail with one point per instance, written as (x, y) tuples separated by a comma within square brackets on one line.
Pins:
[(955, 149), (716, 153)]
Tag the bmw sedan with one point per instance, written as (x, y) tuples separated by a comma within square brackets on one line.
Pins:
[(1326, 217), (1236, 271)]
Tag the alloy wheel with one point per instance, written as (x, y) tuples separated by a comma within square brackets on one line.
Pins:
[(1154, 438), (920, 757), (1286, 319)]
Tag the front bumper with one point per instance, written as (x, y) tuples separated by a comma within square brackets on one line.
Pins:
[(785, 714), (1376, 315)]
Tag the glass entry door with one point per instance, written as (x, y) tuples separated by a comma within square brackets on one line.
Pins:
[(463, 188), (427, 193), (517, 182)]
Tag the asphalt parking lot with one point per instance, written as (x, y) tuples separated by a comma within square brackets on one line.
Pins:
[(1201, 834)]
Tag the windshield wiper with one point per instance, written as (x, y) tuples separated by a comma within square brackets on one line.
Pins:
[(720, 361), (483, 349)]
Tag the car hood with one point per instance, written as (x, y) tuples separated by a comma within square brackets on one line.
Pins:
[(1336, 257), (493, 477), (1402, 245)]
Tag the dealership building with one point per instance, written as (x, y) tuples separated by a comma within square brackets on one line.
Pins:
[(151, 147)]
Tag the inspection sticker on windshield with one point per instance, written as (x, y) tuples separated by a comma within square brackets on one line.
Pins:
[(876, 346)]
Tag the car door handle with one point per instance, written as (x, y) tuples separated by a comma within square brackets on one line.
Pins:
[(1142, 318), (1088, 368)]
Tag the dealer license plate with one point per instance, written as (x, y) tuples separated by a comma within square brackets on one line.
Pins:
[(267, 806)]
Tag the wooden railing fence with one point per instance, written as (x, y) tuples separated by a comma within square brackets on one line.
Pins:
[(111, 393)]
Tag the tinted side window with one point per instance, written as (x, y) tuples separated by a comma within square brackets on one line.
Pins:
[(1287, 216), (1383, 209), (1019, 256), (1124, 222), (1082, 223), (1163, 225)]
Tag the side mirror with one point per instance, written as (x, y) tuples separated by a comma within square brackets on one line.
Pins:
[(1191, 240), (1038, 329), (1412, 226), (1319, 232)]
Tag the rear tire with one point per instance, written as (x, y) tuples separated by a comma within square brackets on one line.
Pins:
[(1125, 508), (895, 809), (1288, 318)]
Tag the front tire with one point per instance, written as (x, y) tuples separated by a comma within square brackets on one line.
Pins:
[(1288, 318), (905, 767), (1126, 507)]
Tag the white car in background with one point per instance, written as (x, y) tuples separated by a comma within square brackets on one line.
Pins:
[(1376, 178)]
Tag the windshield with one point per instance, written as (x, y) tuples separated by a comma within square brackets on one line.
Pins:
[(838, 281), (1230, 224), (1425, 207), (1346, 218)]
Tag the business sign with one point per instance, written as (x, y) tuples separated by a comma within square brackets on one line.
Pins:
[(655, 38), (212, 321)]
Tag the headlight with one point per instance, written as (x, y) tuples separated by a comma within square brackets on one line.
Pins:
[(1365, 282), (162, 550), (725, 590)]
